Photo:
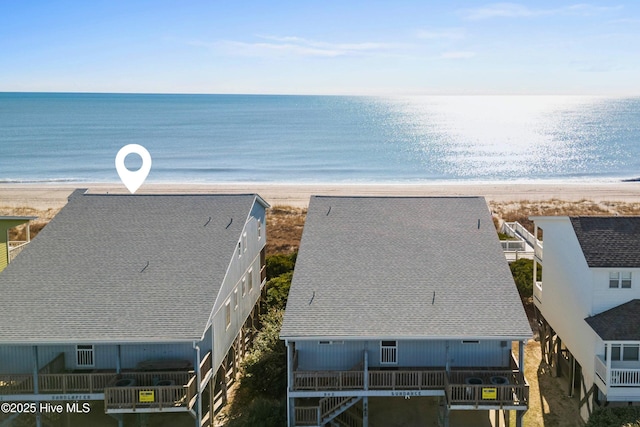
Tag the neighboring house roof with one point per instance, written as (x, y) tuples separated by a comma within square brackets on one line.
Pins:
[(402, 267), (609, 241), (621, 323), (123, 268)]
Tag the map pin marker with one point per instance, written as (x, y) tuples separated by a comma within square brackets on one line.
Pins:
[(133, 179)]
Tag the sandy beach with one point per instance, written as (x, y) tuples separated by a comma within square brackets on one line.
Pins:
[(39, 196)]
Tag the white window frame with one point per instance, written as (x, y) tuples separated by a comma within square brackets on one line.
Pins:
[(243, 284), (620, 279), (259, 229), (622, 354), (85, 356), (388, 352), (227, 314), (235, 299), (244, 241), (250, 279)]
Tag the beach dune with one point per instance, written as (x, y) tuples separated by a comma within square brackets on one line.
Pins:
[(39, 196)]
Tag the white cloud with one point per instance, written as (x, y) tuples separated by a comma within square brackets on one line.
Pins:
[(458, 55), (297, 46), (515, 10), (441, 34)]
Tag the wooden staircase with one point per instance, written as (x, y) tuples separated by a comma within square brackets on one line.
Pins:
[(332, 407)]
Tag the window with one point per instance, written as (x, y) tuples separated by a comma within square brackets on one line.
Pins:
[(250, 279), (626, 280), (235, 299), (244, 241), (239, 249), (85, 356), (470, 342), (259, 229), (227, 313), (626, 352), (620, 279), (388, 352), (630, 352), (244, 285)]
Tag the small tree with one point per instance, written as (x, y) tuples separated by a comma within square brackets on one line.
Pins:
[(624, 416), (522, 271), (265, 367), (280, 263)]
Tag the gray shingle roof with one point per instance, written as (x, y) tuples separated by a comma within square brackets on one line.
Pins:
[(402, 267), (609, 241), (621, 323), (123, 268)]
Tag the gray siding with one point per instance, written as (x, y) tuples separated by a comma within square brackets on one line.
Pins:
[(411, 353), (19, 359)]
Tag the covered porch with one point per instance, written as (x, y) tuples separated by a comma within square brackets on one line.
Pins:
[(170, 387)]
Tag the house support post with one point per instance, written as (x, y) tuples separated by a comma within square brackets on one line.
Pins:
[(35, 382), (365, 411), (521, 345), (572, 374), (519, 417), (119, 418), (557, 354), (118, 359), (290, 401)]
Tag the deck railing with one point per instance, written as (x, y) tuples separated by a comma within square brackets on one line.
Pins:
[(406, 380), (15, 247), (617, 377), (16, 384), (328, 380), (93, 382), (74, 383), (307, 416), (132, 398), (497, 387)]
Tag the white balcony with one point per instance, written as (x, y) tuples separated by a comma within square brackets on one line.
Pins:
[(620, 383)]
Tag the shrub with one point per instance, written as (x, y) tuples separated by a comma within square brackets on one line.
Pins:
[(623, 416), (522, 271), (265, 367), (280, 263), (278, 291), (263, 412)]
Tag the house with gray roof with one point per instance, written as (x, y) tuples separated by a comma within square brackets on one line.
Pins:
[(588, 306), (140, 303), (388, 301)]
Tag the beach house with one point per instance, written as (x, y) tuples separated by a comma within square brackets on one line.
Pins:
[(398, 298), (9, 249), (588, 306), (134, 303)]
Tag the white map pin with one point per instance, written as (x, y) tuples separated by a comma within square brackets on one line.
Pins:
[(133, 179)]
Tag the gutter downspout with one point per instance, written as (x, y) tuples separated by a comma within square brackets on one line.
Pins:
[(198, 380)]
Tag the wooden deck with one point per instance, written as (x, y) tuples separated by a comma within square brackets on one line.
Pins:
[(513, 392), (128, 391)]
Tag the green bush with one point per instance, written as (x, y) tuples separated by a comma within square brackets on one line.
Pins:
[(623, 416), (522, 271), (278, 291), (262, 412), (280, 263), (265, 367)]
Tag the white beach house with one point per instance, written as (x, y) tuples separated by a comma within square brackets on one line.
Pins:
[(588, 305)]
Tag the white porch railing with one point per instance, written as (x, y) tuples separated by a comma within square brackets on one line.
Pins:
[(521, 246), (15, 247), (618, 377), (537, 291)]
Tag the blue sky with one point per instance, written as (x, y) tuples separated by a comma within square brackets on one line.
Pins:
[(321, 47)]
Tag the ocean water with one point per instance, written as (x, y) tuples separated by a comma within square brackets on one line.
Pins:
[(47, 137)]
